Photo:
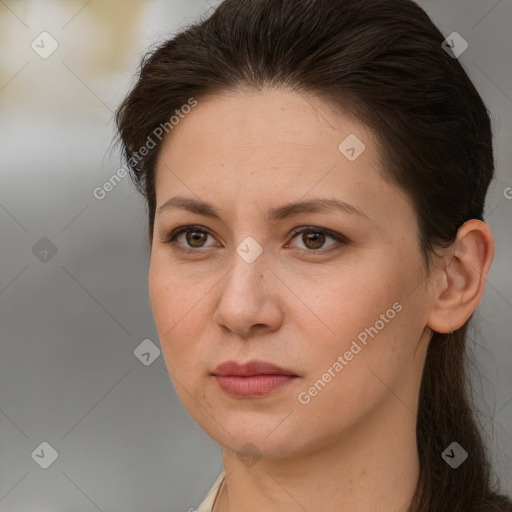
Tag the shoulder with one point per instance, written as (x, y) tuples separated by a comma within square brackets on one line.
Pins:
[(209, 501)]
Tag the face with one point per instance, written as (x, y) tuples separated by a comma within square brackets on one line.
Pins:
[(335, 295)]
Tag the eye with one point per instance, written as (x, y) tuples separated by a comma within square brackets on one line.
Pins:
[(194, 237), (314, 238)]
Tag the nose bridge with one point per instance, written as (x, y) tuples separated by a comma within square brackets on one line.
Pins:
[(251, 299), (245, 297), (249, 265), (246, 282)]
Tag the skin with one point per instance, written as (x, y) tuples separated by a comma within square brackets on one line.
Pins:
[(352, 447)]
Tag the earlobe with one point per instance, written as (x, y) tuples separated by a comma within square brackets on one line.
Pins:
[(467, 264)]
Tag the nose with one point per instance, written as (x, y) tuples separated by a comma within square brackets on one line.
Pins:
[(249, 300)]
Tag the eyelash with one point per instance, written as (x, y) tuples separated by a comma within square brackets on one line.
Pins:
[(171, 239)]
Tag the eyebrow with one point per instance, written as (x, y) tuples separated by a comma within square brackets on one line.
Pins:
[(272, 214)]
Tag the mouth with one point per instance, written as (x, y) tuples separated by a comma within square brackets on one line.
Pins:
[(252, 379), (253, 386)]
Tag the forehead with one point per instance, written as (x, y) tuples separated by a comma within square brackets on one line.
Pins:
[(275, 118), (270, 144)]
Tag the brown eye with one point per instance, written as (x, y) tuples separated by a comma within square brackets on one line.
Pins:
[(314, 239), (195, 238), (192, 237)]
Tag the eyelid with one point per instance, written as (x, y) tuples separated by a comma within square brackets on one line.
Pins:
[(171, 238), (332, 234)]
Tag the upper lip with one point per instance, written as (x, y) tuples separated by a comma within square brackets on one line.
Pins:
[(253, 367)]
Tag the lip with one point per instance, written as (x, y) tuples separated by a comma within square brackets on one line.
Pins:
[(252, 379), (253, 367)]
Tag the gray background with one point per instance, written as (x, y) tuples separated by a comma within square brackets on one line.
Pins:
[(70, 324)]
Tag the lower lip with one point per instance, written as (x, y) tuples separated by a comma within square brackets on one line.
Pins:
[(255, 385)]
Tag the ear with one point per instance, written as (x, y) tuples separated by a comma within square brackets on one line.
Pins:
[(466, 266)]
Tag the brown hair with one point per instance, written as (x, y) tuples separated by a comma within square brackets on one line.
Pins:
[(382, 62)]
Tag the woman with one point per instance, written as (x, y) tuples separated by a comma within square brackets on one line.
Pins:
[(315, 173)]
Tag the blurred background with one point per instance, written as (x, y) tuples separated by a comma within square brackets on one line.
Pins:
[(89, 420)]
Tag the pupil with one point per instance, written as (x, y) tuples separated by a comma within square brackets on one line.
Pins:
[(316, 237), (192, 236)]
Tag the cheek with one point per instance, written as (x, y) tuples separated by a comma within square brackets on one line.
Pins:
[(371, 320), (174, 296), (357, 305), (350, 379), (177, 313)]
